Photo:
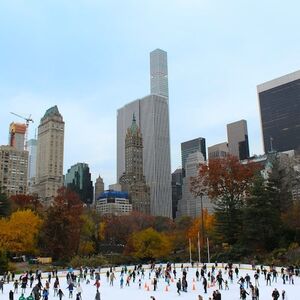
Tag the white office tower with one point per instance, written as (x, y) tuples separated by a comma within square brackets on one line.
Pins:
[(31, 148), (159, 73), (152, 117), (188, 205)]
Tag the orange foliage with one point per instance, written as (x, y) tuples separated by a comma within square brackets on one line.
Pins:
[(18, 234), (209, 222)]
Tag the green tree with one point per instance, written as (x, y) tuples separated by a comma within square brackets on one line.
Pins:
[(227, 182), (262, 222), (5, 206)]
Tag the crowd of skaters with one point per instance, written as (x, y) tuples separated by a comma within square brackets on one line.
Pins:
[(212, 276)]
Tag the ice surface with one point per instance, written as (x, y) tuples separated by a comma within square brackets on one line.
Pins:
[(134, 293)]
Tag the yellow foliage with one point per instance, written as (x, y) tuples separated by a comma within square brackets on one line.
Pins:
[(209, 223), (150, 244), (86, 248), (19, 232), (101, 231)]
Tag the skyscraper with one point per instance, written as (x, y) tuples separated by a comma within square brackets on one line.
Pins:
[(218, 150), (192, 146), (176, 190), (78, 179), (31, 148), (159, 73), (13, 170), (50, 155), (237, 134), (152, 117), (279, 101), (99, 186), (188, 205), (17, 132), (133, 179)]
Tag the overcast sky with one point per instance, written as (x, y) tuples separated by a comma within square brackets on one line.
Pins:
[(90, 57)]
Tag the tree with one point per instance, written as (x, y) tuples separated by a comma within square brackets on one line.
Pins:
[(18, 234), (227, 182), (60, 236), (149, 244), (21, 201), (4, 205), (262, 221)]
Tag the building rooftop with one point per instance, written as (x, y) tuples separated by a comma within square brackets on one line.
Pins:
[(51, 112)]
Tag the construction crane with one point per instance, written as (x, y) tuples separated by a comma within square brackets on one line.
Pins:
[(28, 120)]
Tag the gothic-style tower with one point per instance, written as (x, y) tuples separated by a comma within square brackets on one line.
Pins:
[(133, 180)]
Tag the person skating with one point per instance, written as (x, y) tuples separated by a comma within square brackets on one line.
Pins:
[(200, 297), (204, 282), (275, 294), (45, 294), (22, 297), (30, 297), (70, 288), (60, 294), (243, 294), (97, 297), (78, 292), (11, 295), (283, 294), (178, 285), (269, 278), (154, 283), (16, 285)]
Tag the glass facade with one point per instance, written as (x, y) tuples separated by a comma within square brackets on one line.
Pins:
[(190, 147), (280, 116)]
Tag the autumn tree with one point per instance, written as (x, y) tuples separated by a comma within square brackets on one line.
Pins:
[(22, 201), (149, 244), (227, 182), (60, 236), (18, 233)]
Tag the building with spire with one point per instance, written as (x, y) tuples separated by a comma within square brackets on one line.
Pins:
[(133, 180), (50, 155), (152, 118)]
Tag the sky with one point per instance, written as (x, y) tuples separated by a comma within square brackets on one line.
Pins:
[(90, 57)]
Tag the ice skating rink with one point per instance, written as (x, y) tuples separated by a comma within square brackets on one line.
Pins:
[(195, 288)]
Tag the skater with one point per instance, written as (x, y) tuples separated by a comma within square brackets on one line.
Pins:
[(70, 288), (16, 284), (275, 294), (78, 292), (30, 297), (97, 297), (45, 294), (178, 285), (243, 294), (60, 294), (1, 285), (283, 294), (111, 279), (269, 278), (11, 295), (204, 282), (121, 282), (200, 297), (22, 297), (154, 283)]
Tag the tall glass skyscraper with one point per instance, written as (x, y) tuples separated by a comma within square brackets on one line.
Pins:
[(159, 73), (279, 101), (152, 117), (192, 146)]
